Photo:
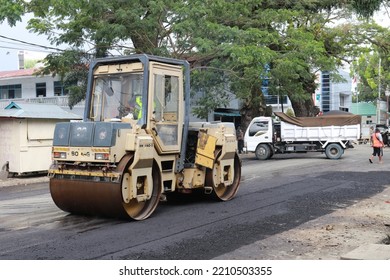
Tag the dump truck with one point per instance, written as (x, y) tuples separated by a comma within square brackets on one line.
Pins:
[(328, 134), (136, 144)]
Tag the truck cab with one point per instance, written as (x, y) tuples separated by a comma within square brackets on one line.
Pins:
[(260, 130)]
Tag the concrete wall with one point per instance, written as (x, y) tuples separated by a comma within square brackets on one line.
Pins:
[(29, 84)]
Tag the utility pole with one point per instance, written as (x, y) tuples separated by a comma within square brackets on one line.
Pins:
[(379, 92), (280, 94), (387, 93)]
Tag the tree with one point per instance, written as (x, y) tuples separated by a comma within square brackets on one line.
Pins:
[(96, 29), (232, 43), (372, 71), (292, 37), (104, 25), (212, 88), (248, 38), (72, 67), (371, 66)]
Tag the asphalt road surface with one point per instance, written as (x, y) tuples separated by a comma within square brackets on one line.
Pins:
[(275, 195)]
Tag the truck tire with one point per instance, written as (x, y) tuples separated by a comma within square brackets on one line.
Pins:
[(263, 151), (334, 151)]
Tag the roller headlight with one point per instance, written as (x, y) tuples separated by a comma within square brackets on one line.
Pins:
[(61, 155), (102, 156)]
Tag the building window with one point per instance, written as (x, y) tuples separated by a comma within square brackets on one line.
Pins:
[(59, 89), (325, 91), (10, 91), (342, 100), (40, 89), (11, 94)]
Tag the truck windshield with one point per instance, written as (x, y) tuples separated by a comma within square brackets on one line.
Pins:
[(258, 127), (116, 96)]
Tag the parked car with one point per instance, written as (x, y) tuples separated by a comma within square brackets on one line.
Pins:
[(384, 129)]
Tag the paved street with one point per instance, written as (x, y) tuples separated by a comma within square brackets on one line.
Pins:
[(289, 207)]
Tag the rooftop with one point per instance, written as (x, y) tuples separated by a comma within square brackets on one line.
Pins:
[(363, 109), (17, 73), (36, 111)]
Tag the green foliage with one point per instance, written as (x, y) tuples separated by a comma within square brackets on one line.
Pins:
[(371, 68), (72, 67), (212, 83), (372, 76), (135, 26), (30, 63), (290, 112), (11, 11), (268, 111), (366, 8), (105, 27), (230, 44), (76, 82)]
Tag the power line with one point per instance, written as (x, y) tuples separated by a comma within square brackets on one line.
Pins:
[(31, 44), (26, 49)]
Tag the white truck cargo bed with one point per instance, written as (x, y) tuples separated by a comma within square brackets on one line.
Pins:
[(291, 132)]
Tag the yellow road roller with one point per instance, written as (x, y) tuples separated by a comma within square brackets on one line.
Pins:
[(136, 143)]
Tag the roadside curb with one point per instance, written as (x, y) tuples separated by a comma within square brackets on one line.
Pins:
[(369, 252), (9, 182)]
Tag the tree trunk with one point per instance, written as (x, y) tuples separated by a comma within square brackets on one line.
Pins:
[(304, 108), (253, 107)]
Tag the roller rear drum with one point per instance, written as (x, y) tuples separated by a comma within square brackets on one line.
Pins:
[(88, 197)]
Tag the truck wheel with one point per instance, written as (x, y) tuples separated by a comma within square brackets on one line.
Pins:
[(263, 151), (334, 151)]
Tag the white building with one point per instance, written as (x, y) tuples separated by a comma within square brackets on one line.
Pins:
[(331, 96), (23, 86), (24, 83)]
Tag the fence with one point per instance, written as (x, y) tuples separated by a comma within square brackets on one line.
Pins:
[(61, 101)]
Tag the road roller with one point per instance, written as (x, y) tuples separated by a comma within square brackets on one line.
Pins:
[(136, 146)]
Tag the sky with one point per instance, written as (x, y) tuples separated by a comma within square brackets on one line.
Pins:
[(9, 49)]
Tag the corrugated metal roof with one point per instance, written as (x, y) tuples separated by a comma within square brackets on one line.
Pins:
[(363, 109), (36, 111), (217, 114), (17, 73)]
